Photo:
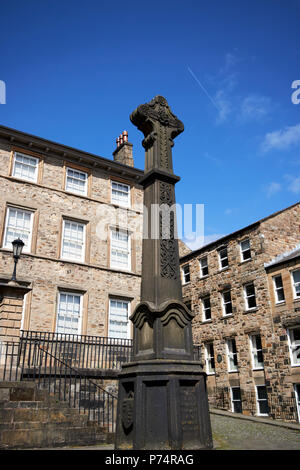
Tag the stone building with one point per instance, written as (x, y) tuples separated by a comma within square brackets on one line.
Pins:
[(80, 216), (245, 336)]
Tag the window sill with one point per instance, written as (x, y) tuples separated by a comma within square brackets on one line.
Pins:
[(223, 269), (206, 321), (204, 277), (117, 206), (295, 365), (250, 310), (279, 304), (186, 284), (210, 373), (245, 261), (226, 316), (258, 369), (233, 371)]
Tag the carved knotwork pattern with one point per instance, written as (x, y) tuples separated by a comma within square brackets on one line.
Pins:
[(164, 159), (168, 252)]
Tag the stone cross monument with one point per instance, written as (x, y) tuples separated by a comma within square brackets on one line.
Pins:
[(162, 402)]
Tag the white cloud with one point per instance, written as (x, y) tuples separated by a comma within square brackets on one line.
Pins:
[(294, 183), (255, 107), (272, 188), (281, 139), (228, 211), (223, 104)]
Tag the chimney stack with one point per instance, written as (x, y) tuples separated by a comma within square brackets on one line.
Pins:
[(123, 152)]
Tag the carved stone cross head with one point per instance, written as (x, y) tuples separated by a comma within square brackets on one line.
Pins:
[(159, 126)]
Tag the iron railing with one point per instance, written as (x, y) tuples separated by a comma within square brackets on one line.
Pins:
[(80, 351)]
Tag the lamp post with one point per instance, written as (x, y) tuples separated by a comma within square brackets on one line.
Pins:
[(17, 250)]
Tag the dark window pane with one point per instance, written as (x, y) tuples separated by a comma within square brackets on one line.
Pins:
[(224, 262), (236, 393), (258, 342), (228, 308), (233, 346), (280, 295), (250, 290), (262, 393), (263, 407), (246, 254), (278, 281), (260, 356), (205, 271), (296, 334), (251, 302)]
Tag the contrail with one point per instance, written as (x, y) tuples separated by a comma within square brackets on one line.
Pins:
[(205, 91)]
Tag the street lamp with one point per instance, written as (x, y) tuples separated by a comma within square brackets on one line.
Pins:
[(17, 250)]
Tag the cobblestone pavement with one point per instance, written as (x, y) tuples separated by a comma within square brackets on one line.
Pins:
[(237, 434)]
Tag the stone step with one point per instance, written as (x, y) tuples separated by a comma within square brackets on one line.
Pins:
[(9, 415), (51, 436)]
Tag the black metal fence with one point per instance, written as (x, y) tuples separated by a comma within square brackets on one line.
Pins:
[(80, 351), (281, 408)]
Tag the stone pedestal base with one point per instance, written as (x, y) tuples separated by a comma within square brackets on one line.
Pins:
[(163, 405)]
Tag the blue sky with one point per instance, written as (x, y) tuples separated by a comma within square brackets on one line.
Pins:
[(74, 71)]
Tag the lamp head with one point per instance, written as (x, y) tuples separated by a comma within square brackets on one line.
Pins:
[(17, 247)]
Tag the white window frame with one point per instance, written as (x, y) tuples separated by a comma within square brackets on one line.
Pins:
[(231, 355), (26, 248), (244, 250), (297, 398), (36, 168), (258, 413), (224, 303), (276, 289), (61, 292), (208, 358), (72, 190), (255, 351), (112, 263), (201, 261), (247, 297), (184, 274), (120, 202), (293, 345), (294, 284), (234, 399), (128, 332), (223, 258), (204, 309), (83, 250)]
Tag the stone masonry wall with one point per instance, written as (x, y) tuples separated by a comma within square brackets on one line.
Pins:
[(43, 266), (280, 233), (284, 315)]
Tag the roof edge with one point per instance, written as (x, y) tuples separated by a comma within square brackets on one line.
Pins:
[(45, 146), (221, 240)]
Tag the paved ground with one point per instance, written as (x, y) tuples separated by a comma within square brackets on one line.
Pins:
[(239, 434)]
